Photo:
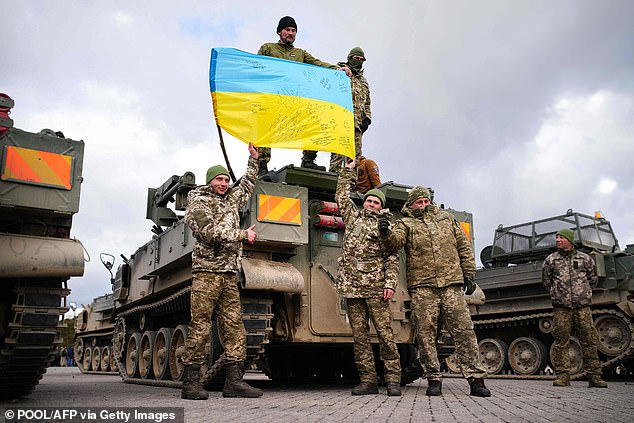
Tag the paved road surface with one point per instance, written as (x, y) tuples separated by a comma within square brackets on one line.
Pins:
[(512, 401)]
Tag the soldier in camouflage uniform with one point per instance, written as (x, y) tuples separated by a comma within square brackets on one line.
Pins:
[(569, 275), (367, 279), (440, 265), (360, 102), (212, 215), (284, 49)]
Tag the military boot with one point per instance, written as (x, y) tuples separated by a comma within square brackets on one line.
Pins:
[(595, 381), (263, 172), (562, 379), (192, 386), (310, 164), (393, 389), (365, 388), (477, 387), (434, 388), (235, 387)]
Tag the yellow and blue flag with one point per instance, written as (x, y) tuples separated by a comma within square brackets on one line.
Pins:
[(280, 103)]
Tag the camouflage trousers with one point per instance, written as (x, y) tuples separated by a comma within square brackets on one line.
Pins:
[(360, 310), (428, 304), (579, 319), (211, 290), (264, 155), (337, 160)]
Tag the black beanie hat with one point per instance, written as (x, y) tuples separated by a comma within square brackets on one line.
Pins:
[(286, 22)]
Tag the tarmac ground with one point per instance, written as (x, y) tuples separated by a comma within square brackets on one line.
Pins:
[(106, 398)]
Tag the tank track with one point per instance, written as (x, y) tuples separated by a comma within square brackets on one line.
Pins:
[(257, 321), (85, 341), (31, 336), (534, 318)]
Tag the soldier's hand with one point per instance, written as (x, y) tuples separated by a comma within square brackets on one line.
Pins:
[(384, 226), (388, 293), (469, 286), (350, 163), (253, 151), (251, 235)]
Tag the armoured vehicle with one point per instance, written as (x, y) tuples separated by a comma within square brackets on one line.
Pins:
[(513, 325), (93, 332), (40, 183), (295, 321)]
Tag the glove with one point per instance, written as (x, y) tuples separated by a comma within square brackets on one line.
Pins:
[(364, 124), (469, 286), (384, 226)]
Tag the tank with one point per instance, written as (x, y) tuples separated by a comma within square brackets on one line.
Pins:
[(93, 332), (514, 324), (40, 183), (295, 321)]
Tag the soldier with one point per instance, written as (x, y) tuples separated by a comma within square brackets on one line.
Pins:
[(367, 279), (367, 175), (212, 215), (570, 275), (360, 102), (440, 265), (284, 49)]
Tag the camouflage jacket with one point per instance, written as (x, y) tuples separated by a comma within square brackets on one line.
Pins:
[(365, 266), (569, 278), (215, 223), (360, 97), (438, 251), (283, 51)]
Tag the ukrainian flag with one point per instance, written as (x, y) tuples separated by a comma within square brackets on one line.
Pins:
[(280, 103)]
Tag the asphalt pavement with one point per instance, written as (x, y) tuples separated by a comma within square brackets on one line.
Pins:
[(106, 398)]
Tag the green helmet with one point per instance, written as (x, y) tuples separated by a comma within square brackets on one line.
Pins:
[(214, 171)]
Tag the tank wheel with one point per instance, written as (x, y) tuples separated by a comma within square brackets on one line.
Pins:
[(87, 362), (145, 354), (546, 324), (113, 363), (527, 356), (493, 355), (105, 358), (96, 358), (576, 355), (118, 338), (132, 355), (160, 353), (614, 334), (143, 321), (177, 349), (78, 349), (452, 364)]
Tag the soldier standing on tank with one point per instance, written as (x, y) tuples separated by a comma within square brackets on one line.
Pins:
[(284, 49), (569, 275), (440, 267), (360, 102), (367, 279), (367, 175), (212, 215)]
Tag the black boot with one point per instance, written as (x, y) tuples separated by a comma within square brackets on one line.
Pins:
[(477, 387), (263, 172), (235, 387), (434, 388), (192, 386), (393, 389), (310, 164), (365, 388)]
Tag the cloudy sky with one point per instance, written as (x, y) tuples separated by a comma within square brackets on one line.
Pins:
[(512, 110)]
